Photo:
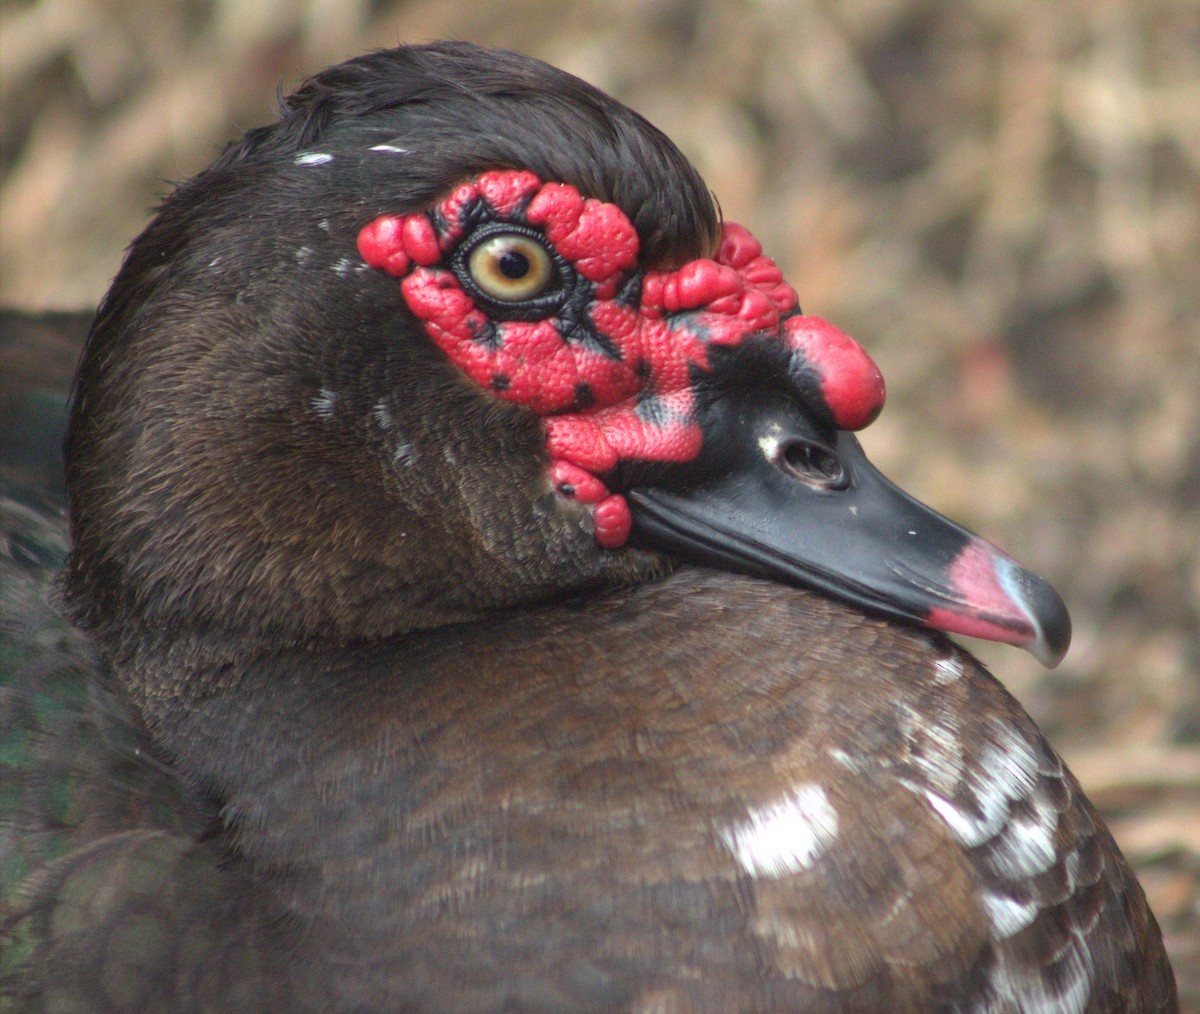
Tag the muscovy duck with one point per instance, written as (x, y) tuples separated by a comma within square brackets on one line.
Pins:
[(499, 613)]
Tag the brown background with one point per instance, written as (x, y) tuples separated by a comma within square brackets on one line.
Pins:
[(998, 198)]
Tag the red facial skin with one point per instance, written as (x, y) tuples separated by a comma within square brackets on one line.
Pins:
[(619, 388)]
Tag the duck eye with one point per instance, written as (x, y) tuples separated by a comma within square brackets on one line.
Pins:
[(511, 267)]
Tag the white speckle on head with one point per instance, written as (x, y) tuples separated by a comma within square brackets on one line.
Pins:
[(947, 670), (325, 402), (383, 415), (784, 837), (323, 225), (390, 149), (403, 454), (769, 442), (215, 262), (302, 254), (1008, 915), (312, 158), (769, 446), (343, 267)]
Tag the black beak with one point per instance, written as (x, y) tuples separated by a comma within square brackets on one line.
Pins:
[(775, 495)]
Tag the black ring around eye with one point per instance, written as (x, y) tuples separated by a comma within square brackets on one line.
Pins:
[(513, 271)]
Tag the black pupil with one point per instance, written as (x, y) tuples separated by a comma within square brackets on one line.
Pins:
[(513, 264)]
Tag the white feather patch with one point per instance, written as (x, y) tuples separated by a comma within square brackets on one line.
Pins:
[(787, 836)]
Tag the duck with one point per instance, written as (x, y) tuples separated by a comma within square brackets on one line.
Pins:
[(476, 598)]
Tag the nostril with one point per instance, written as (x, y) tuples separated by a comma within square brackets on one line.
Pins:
[(812, 463)]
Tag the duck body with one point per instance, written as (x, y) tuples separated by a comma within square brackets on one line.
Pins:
[(605, 823), (418, 721), (558, 831)]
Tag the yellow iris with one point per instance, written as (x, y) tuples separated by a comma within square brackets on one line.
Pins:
[(511, 267)]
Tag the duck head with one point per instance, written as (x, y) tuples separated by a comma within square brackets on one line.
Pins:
[(461, 333)]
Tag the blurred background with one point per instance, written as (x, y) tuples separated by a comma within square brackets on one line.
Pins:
[(999, 198)]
